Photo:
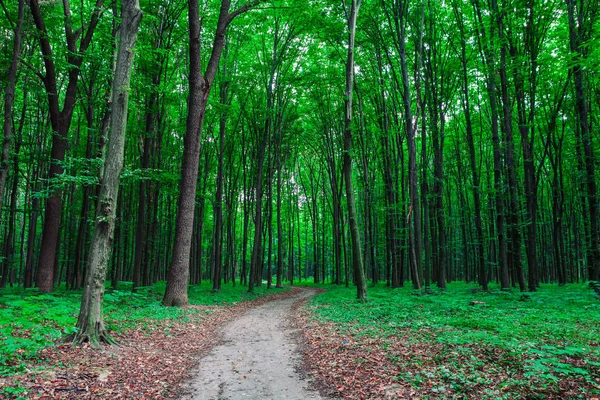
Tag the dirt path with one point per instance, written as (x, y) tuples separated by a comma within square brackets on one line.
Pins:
[(257, 359)]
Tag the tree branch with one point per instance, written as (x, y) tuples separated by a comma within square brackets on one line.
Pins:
[(245, 8), (32, 68)]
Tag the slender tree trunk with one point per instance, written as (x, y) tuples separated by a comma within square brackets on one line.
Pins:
[(9, 99), (60, 121), (498, 183), (576, 39), (90, 323), (508, 146), (279, 282), (218, 206), (414, 214), (9, 245), (357, 257)]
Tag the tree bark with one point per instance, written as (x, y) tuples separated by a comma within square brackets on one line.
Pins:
[(414, 214), (60, 121), (199, 87), (90, 322), (577, 38), (9, 99), (357, 257)]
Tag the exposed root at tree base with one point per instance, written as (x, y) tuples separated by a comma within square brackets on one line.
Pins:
[(96, 340)]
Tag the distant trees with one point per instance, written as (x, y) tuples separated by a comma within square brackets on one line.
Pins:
[(438, 142)]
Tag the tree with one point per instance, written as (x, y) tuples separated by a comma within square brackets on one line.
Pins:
[(199, 90), (357, 257), (9, 98), (90, 323), (60, 120)]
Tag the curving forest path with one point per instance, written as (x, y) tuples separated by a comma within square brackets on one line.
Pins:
[(257, 358)]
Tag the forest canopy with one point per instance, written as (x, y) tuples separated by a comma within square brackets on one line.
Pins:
[(344, 142)]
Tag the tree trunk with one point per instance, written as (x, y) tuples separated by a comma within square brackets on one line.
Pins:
[(577, 38), (9, 99), (60, 121), (218, 207), (90, 323), (414, 214), (498, 183), (199, 86), (357, 258)]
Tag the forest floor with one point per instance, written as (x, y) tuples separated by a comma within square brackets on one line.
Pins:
[(459, 343), (158, 346)]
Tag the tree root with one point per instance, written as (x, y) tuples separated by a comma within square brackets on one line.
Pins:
[(95, 339)]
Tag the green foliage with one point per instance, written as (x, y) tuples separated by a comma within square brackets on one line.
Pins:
[(31, 321), (549, 337), (13, 392)]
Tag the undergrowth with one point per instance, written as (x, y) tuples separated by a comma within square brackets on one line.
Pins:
[(31, 321), (496, 344)]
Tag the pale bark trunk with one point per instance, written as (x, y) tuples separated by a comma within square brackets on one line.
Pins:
[(359, 272), (90, 323)]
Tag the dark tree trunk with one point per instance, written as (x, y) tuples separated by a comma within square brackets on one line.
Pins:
[(414, 213), (199, 89), (218, 205), (60, 121), (9, 99), (498, 183), (508, 146), (578, 32)]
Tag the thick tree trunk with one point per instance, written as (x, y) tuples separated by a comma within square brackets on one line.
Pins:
[(90, 323), (200, 86), (177, 279)]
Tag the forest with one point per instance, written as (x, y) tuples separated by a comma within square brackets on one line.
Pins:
[(371, 145)]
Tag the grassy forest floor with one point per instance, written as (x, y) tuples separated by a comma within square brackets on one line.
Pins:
[(456, 344), (157, 345), (459, 343)]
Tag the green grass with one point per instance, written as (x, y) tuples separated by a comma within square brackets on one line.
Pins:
[(31, 321), (543, 337)]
